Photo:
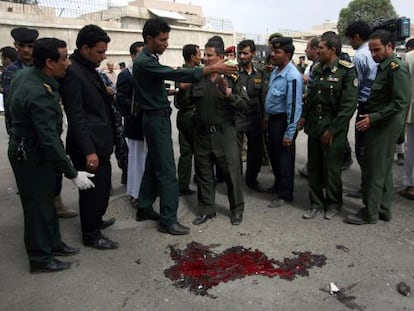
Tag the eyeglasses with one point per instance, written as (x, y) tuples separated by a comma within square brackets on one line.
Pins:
[(23, 45)]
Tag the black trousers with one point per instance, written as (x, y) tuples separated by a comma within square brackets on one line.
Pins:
[(93, 202), (282, 158), (255, 148)]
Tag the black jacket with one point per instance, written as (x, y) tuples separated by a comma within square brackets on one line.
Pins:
[(87, 106), (124, 91)]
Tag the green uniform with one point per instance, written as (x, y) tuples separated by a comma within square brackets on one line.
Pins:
[(216, 143), (389, 99), (185, 126), (331, 103), (36, 154), (160, 172)]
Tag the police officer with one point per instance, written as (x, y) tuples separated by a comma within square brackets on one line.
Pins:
[(24, 39), (36, 153), (185, 122), (252, 79), (160, 172), (330, 105), (382, 122), (215, 139), (283, 108)]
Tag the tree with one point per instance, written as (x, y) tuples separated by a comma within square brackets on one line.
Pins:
[(366, 10)]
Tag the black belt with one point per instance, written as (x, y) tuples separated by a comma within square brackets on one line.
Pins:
[(165, 112), (211, 128), (277, 116)]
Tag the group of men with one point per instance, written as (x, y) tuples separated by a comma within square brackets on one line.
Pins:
[(217, 102)]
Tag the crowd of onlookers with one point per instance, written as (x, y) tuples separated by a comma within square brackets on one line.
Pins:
[(230, 110)]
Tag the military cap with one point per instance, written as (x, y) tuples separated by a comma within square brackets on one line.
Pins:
[(230, 49), (275, 35), (24, 34), (280, 42)]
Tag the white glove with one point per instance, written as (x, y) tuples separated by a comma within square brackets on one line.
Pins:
[(82, 181)]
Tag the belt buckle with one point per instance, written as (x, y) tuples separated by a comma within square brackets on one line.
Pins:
[(212, 129), (319, 108)]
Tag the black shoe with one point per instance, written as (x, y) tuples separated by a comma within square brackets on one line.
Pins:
[(107, 223), (256, 187), (203, 218), (311, 213), (146, 214), (236, 218), (360, 218), (53, 266), (101, 243), (64, 250), (187, 191), (174, 229)]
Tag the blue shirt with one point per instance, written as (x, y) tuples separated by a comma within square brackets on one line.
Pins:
[(8, 75), (366, 69), (285, 96)]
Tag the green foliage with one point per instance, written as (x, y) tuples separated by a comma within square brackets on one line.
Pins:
[(366, 10)]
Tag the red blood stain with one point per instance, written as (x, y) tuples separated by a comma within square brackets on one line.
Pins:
[(199, 268)]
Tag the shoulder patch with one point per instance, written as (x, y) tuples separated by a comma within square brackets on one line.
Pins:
[(346, 63), (394, 65), (48, 88)]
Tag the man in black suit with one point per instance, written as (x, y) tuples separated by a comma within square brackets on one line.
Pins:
[(90, 138)]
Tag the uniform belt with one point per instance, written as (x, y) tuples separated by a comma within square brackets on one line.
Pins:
[(165, 112), (277, 116), (207, 129)]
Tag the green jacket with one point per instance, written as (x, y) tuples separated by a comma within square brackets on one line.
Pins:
[(148, 78), (212, 108), (390, 91), (182, 100), (33, 103), (332, 99)]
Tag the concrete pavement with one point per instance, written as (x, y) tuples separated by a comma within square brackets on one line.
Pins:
[(132, 277)]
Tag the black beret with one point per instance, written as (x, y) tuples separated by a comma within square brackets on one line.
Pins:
[(24, 34), (279, 42)]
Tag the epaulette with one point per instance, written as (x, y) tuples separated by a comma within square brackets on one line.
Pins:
[(48, 88), (316, 66), (394, 65), (346, 63)]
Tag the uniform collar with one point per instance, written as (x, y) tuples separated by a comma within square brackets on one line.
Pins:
[(150, 53), (384, 64), (47, 79)]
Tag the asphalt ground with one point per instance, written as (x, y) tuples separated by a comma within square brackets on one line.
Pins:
[(366, 262)]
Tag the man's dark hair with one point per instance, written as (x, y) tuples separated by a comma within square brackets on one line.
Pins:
[(91, 35), (134, 46), (217, 38), (154, 26), (360, 28), (332, 41), (314, 42), (45, 48), (189, 50), (247, 43), (9, 52), (410, 43), (217, 45), (384, 36)]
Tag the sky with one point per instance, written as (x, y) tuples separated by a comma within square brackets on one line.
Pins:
[(263, 16)]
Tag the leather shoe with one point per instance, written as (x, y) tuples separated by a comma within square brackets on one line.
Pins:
[(331, 213), (256, 187), (102, 243), (203, 218), (311, 213), (236, 218), (358, 220), (64, 250), (107, 223), (52, 266), (187, 192), (174, 229), (146, 214)]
